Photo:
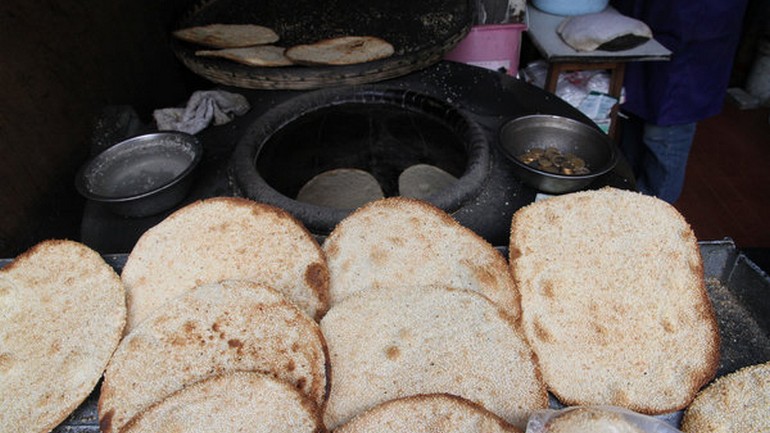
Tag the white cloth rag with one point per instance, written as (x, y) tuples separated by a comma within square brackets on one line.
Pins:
[(589, 32), (203, 108)]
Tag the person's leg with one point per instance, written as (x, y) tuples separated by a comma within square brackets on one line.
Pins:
[(662, 167)]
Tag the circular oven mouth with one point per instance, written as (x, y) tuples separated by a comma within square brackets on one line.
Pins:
[(380, 132)]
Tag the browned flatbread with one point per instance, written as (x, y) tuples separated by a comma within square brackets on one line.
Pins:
[(243, 402), (228, 35), (345, 50), (428, 413), (260, 55), (62, 313), (212, 329), (225, 238), (737, 402), (400, 241), (392, 342), (613, 300)]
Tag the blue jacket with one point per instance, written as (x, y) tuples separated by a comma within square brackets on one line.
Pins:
[(703, 36)]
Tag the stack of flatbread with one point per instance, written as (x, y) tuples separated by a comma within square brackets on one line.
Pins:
[(223, 285), (254, 45)]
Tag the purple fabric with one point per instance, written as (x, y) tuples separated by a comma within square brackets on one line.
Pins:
[(703, 36)]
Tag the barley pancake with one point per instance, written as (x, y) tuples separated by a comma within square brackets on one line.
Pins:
[(225, 238), (62, 313), (386, 343), (228, 35), (239, 402), (214, 328), (402, 241), (737, 402), (613, 300), (427, 413)]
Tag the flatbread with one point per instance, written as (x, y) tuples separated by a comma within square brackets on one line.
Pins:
[(428, 413), (225, 238), (344, 50), (239, 402), (737, 402), (341, 188), (62, 313), (584, 419), (261, 55), (421, 181), (228, 35), (392, 342), (415, 243), (613, 300), (212, 329)]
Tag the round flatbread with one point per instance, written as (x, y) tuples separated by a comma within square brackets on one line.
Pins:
[(737, 402), (261, 55), (427, 413), (585, 419), (613, 300), (387, 343), (238, 402), (212, 329), (225, 238), (421, 181), (341, 188), (414, 244), (344, 50), (228, 35), (62, 313)]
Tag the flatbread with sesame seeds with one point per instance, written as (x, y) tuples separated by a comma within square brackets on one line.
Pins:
[(211, 329), (225, 238), (242, 402), (393, 342), (62, 313), (737, 402), (403, 241), (428, 413), (613, 300)]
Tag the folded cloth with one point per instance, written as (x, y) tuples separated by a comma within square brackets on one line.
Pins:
[(606, 30), (203, 108)]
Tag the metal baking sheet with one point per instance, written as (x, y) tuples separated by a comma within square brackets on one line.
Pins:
[(738, 288)]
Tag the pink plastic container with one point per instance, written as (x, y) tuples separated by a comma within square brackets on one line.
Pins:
[(490, 46)]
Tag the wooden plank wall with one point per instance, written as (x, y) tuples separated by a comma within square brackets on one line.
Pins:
[(61, 61)]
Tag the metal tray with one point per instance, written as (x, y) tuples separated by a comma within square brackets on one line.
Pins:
[(421, 33), (738, 288)]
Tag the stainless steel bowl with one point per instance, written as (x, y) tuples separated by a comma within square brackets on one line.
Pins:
[(143, 175), (522, 134)]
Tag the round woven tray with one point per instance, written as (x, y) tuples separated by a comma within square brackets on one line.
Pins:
[(421, 32)]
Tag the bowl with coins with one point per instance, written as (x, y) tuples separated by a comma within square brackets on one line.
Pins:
[(556, 154)]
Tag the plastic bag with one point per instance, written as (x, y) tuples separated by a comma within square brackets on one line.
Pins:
[(596, 419)]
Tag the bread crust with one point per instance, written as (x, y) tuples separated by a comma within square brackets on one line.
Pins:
[(225, 238), (62, 314), (614, 301)]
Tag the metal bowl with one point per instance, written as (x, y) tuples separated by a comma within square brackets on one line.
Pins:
[(143, 175), (522, 134)]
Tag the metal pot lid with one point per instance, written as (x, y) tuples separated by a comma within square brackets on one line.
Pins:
[(421, 32)]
